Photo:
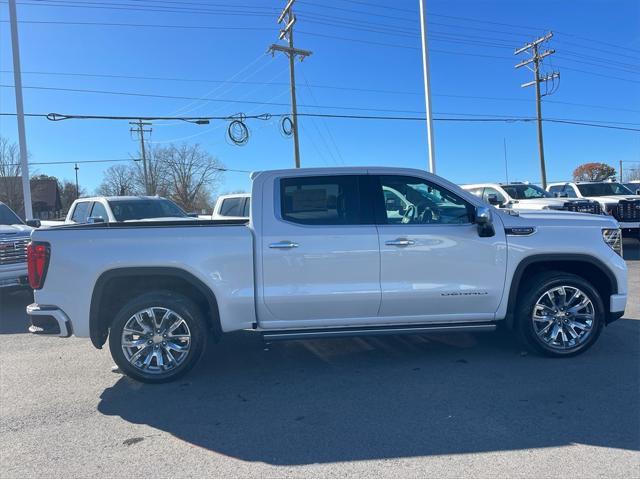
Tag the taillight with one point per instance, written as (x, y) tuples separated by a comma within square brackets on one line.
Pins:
[(37, 263)]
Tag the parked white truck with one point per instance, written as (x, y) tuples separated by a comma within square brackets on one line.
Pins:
[(527, 196), (14, 237), (326, 254), (615, 199)]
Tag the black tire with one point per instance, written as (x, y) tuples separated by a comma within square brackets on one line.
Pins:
[(185, 309), (534, 289)]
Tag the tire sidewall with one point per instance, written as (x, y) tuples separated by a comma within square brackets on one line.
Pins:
[(165, 299), (536, 288)]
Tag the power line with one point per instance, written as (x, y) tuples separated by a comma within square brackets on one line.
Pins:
[(312, 85), (479, 119), (232, 10), (117, 160)]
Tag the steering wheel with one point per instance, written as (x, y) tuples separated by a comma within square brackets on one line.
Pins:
[(409, 214), (428, 211)]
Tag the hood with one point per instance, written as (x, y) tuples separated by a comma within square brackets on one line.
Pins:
[(15, 231), (536, 203), (612, 198), (557, 218)]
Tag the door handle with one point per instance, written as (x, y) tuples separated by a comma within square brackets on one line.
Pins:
[(400, 242), (283, 245)]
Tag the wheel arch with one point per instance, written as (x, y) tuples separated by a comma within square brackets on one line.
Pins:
[(585, 266), (116, 286)]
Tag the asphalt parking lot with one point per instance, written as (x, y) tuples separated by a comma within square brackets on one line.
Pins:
[(436, 406)]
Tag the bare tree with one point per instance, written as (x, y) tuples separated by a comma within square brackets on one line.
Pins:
[(156, 173), (191, 173), (68, 193), (118, 180), (10, 183)]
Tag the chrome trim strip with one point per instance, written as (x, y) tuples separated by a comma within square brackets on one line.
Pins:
[(342, 333)]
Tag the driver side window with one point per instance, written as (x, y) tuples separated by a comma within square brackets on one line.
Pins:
[(409, 200)]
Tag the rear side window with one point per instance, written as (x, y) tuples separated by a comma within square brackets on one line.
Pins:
[(232, 207), (81, 212), (321, 200), (99, 211)]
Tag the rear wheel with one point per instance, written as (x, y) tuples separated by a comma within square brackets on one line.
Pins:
[(157, 337), (559, 314)]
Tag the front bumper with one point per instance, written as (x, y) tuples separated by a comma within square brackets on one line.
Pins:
[(630, 228), (617, 303), (12, 275), (15, 282), (49, 320)]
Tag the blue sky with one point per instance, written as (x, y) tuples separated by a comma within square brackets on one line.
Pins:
[(366, 60)]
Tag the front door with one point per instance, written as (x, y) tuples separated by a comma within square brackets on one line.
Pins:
[(321, 261), (434, 265)]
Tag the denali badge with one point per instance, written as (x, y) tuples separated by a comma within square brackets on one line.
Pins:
[(466, 293)]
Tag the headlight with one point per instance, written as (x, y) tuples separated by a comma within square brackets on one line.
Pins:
[(613, 237)]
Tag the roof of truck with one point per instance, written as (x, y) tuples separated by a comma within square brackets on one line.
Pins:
[(121, 198)]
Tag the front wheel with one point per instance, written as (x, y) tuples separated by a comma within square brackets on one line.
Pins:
[(157, 337), (560, 314)]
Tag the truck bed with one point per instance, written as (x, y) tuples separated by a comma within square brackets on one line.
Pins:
[(217, 253)]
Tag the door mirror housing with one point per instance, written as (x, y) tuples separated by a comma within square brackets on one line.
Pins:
[(95, 219), (35, 223), (484, 220), (561, 194), (492, 199)]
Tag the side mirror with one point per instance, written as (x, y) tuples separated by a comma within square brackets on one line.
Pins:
[(493, 200), (484, 220), (34, 223), (95, 219), (192, 215), (638, 191), (561, 194)]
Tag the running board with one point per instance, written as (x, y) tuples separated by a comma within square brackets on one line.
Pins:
[(284, 335)]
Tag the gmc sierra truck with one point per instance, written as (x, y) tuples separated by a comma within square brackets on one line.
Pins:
[(14, 238), (326, 253), (615, 199)]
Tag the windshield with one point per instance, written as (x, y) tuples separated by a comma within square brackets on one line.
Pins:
[(526, 192), (603, 189), (8, 217), (125, 210)]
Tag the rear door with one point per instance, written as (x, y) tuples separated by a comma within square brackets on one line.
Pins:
[(434, 266), (320, 257)]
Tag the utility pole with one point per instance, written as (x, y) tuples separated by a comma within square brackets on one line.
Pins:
[(427, 88), (77, 186), (289, 20), (533, 49), (621, 180), (141, 131), (22, 137), (506, 164)]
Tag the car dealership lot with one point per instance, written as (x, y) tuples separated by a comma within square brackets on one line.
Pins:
[(438, 406)]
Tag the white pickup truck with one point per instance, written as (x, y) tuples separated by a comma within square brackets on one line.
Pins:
[(326, 254), (615, 199), (14, 238)]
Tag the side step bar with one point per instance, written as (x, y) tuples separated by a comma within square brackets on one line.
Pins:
[(298, 334)]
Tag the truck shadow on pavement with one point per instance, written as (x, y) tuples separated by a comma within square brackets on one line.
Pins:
[(358, 399), (13, 316)]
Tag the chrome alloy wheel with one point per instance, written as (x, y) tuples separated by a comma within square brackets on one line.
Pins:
[(156, 340), (563, 317)]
